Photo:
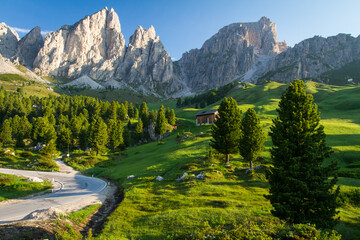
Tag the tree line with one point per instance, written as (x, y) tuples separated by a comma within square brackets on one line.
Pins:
[(72, 122), (209, 97), (301, 187)]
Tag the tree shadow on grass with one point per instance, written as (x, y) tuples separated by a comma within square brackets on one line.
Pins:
[(9, 232)]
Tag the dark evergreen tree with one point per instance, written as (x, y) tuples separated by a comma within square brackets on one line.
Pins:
[(49, 149), (64, 137), (144, 114), (171, 119), (131, 110), (5, 133), (42, 131), (301, 187), (123, 114), (113, 110), (115, 129), (136, 113), (160, 127), (226, 131), (167, 113), (179, 102), (252, 139), (98, 136), (152, 117), (139, 130)]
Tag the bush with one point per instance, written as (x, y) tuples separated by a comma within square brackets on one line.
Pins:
[(352, 197)]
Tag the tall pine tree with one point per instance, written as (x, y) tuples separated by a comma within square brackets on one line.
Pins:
[(160, 127), (139, 130), (252, 139), (5, 133), (98, 136), (226, 131), (301, 190)]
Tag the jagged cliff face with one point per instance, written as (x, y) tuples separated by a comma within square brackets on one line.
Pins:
[(8, 41), (94, 43), (230, 53), (96, 47), (312, 57), (146, 64), (29, 46)]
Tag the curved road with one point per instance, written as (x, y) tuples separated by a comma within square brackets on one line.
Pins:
[(71, 187)]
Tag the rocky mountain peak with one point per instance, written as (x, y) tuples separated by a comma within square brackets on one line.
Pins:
[(73, 51), (230, 53), (29, 46), (141, 37), (264, 20), (8, 41)]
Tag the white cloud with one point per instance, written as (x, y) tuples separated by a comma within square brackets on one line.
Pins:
[(23, 30), (174, 59)]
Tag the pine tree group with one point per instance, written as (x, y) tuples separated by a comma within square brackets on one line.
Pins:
[(301, 190)]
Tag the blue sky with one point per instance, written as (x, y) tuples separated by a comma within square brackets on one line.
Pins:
[(186, 24)]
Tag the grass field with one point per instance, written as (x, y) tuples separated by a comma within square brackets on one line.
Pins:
[(23, 159), (227, 197), (14, 187)]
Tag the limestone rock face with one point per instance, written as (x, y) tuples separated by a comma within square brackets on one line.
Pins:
[(95, 47), (8, 41), (29, 46), (230, 53), (147, 65), (312, 57), (91, 46)]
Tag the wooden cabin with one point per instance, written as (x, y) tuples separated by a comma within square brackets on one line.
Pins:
[(206, 117)]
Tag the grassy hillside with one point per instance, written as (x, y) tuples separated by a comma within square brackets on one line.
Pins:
[(14, 187), (14, 82), (340, 76), (227, 200)]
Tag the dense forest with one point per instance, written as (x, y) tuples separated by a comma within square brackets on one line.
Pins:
[(77, 122)]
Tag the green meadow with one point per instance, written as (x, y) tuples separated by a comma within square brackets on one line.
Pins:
[(14, 187), (227, 198)]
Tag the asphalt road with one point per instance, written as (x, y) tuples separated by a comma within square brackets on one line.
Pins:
[(70, 187)]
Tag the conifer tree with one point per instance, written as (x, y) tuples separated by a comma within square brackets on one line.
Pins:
[(131, 110), (226, 131), (172, 120), (98, 136), (113, 110), (167, 114), (115, 129), (49, 149), (160, 127), (123, 112), (252, 139), (136, 113), (5, 133), (144, 114), (42, 131), (64, 137), (301, 190), (139, 129)]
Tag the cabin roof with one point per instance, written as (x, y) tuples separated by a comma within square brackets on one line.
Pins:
[(207, 112)]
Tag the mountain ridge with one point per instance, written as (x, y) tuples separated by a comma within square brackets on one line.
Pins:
[(249, 52)]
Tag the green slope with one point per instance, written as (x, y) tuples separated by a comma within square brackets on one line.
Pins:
[(227, 197)]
